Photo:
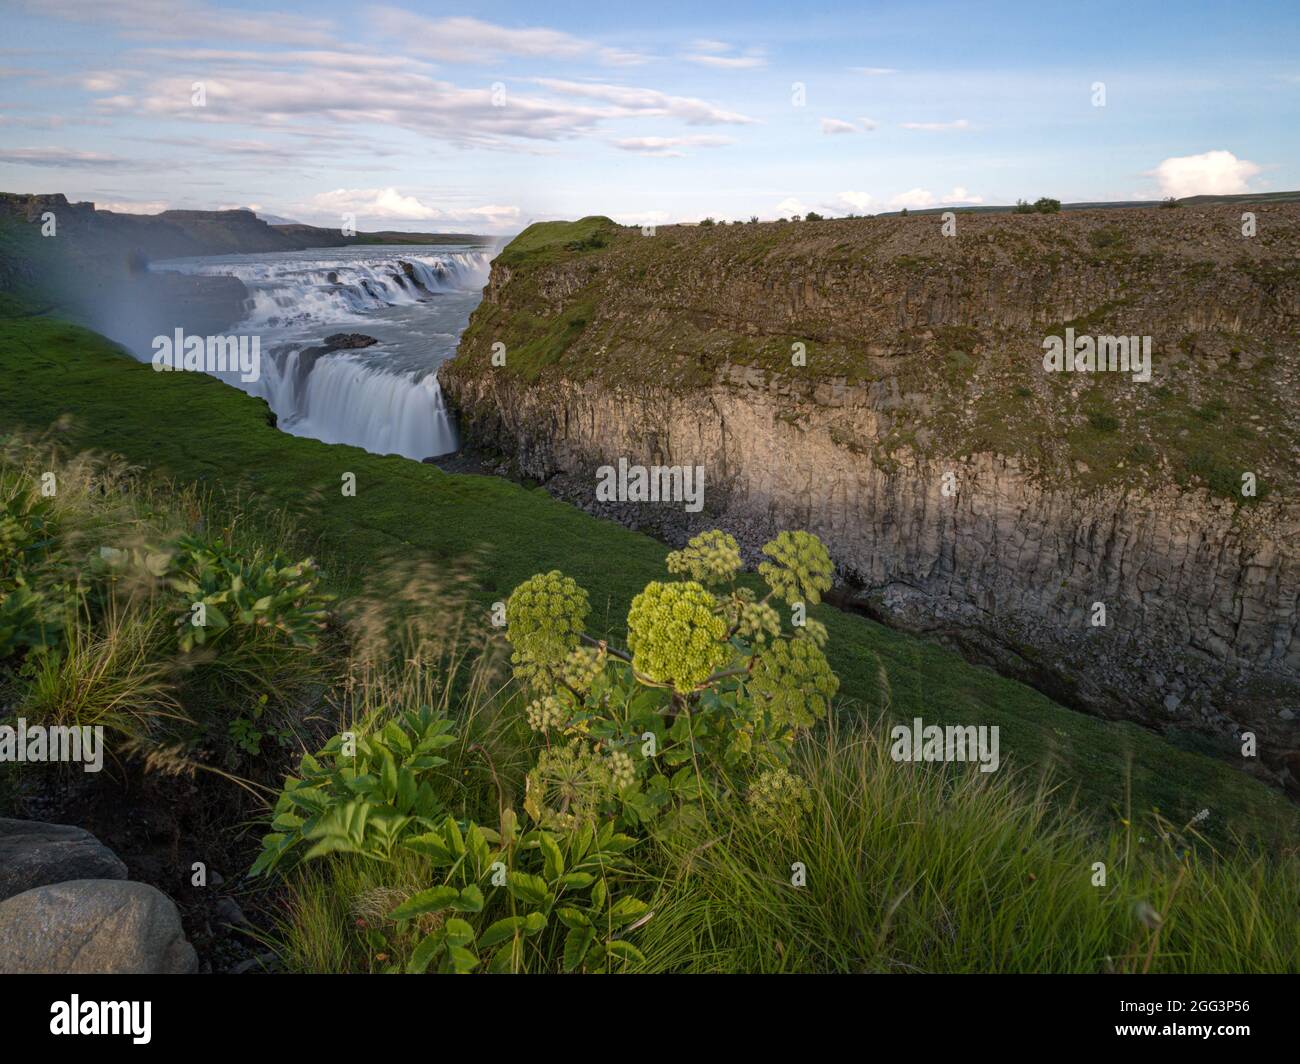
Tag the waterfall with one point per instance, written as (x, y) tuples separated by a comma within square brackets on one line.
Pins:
[(384, 398), (343, 399)]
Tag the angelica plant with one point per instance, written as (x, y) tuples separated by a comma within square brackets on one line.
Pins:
[(708, 695)]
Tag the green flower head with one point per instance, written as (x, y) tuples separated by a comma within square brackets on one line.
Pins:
[(711, 558), (566, 786), (793, 682), (800, 569), (676, 635), (545, 618), (780, 799)]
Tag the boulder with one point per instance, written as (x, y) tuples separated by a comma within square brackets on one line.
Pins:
[(93, 927), (34, 854)]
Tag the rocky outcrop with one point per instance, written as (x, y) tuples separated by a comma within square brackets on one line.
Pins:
[(93, 927), (67, 907), (961, 489), (34, 854)]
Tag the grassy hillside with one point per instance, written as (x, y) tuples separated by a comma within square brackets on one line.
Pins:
[(198, 430)]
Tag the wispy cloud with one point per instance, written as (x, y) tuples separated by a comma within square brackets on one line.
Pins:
[(836, 125), (667, 146), (956, 126), (189, 20), (722, 56), (68, 157), (648, 102)]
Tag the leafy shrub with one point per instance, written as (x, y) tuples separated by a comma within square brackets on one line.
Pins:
[(33, 608), (502, 898), (360, 794), (260, 591), (1046, 205)]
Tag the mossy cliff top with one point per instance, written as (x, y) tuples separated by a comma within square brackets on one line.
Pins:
[(942, 334)]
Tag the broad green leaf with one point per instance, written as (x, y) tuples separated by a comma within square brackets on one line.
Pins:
[(430, 946), (577, 880), (626, 909), (576, 944), (571, 917), (500, 931), (433, 900), (459, 932), (553, 860), (470, 900), (527, 888), (625, 951)]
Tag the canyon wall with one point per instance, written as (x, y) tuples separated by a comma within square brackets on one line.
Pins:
[(882, 385)]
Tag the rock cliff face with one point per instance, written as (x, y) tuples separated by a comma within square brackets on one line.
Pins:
[(883, 386)]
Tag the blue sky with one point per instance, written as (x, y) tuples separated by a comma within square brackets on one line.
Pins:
[(488, 116)]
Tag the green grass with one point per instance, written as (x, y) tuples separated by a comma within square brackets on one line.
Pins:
[(199, 431), (914, 870)]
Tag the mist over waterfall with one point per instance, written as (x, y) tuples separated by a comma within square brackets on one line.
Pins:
[(385, 398)]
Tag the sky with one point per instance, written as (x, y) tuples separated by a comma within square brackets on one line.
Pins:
[(484, 117)]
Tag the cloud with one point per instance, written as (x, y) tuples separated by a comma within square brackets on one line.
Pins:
[(134, 207), (376, 205), (920, 198), (648, 102), (938, 127), (189, 20), (856, 202), (715, 54), (59, 157), (913, 198), (869, 124), (664, 146), (835, 125), (791, 205), (462, 39), (1212, 173), (329, 58), (102, 81), (642, 218), (622, 57), (728, 62), (874, 72)]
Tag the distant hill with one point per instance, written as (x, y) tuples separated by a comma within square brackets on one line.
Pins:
[(135, 238), (315, 237)]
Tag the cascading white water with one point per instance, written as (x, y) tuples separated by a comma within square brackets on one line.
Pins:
[(345, 400), (384, 398)]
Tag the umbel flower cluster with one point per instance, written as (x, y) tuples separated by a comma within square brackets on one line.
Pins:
[(717, 681)]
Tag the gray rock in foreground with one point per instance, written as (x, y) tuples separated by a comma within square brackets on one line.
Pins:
[(93, 926), (35, 854)]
